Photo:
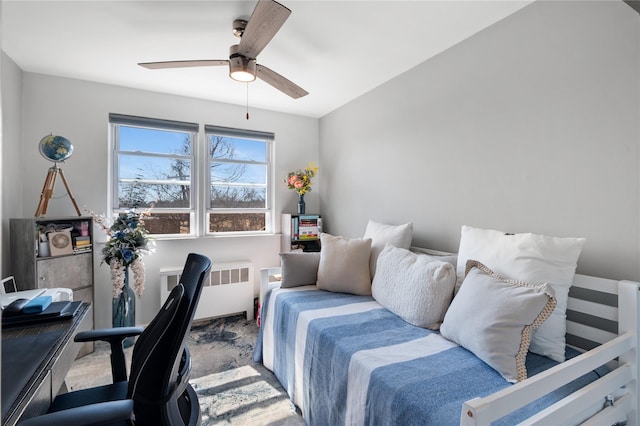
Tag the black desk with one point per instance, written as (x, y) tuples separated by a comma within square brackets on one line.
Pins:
[(35, 362)]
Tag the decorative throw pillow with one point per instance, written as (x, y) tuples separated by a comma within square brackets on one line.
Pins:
[(451, 258), (344, 265), (413, 286), (381, 234), (493, 317), (299, 268), (532, 258)]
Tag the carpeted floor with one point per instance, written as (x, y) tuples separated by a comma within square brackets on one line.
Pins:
[(231, 388)]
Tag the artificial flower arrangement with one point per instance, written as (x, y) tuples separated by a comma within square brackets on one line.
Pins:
[(300, 180), (128, 240)]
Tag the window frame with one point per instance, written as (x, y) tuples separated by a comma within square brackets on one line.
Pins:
[(268, 139), (200, 180)]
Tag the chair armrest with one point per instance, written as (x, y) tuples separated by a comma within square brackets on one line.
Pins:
[(108, 334), (95, 414), (115, 336)]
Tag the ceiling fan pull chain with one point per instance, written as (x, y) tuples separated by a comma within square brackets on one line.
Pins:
[(247, 100)]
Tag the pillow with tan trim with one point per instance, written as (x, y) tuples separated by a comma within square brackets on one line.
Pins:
[(533, 258), (493, 317), (344, 265)]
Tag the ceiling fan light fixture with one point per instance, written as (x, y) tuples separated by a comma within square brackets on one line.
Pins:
[(243, 74), (241, 68)]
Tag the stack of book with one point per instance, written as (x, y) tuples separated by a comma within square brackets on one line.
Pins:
[(307, 227), (82, 244)]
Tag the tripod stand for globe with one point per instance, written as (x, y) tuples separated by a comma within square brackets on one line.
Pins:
[(55, 148)]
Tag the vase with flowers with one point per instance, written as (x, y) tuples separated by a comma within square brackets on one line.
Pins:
[(300, 181), (127, 241)]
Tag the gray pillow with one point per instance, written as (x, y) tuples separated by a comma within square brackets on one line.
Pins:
[(344, 265), (494, 318), (299, 268)]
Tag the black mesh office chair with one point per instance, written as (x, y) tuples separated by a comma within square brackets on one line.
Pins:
[(157, 391)]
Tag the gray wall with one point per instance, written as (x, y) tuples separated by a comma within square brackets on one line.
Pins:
[(529, 126), (11, 87), (79, 111)]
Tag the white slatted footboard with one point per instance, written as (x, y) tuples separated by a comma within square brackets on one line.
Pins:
[(603, 318)]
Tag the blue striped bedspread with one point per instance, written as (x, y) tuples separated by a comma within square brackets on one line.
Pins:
[(344, 359)]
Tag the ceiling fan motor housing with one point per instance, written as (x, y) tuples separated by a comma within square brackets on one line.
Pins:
[(241, 68)]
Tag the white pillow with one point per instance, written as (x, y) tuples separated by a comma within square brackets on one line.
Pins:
[(381, 234), (535, 259), (494, 317), (344, 265), (415, 287), (451, 258)]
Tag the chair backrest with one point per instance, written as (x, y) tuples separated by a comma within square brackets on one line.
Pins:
[(156, 375)]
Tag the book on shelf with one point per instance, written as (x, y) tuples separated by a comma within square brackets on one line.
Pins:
[(309, 219), (82, 241), (294, 228), (309, 233), (310, 227), (304, 227)]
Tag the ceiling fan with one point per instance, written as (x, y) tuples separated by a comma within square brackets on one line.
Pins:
[(265, 21)]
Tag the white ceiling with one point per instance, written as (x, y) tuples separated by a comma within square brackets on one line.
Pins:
[(336, 50)]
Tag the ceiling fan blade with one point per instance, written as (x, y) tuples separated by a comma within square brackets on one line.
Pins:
[(279, 82), (264, 23), (184, 64)]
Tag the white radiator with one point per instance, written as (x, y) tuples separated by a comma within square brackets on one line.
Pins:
[(228, 290)]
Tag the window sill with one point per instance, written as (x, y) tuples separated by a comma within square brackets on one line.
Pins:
[(204, 237), (216, 236)]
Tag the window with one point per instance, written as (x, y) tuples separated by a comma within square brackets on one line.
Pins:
[(239, 170), (223, 187)]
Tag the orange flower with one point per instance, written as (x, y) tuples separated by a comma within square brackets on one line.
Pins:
[(300, 180)]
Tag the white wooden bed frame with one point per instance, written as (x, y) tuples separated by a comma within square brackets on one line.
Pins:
[(616, 392), (611, 400)]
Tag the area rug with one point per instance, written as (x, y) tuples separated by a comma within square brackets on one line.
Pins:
[(244, 396), (231, 388)]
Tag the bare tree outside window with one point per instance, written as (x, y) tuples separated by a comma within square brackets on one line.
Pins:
[(238, 180), (157, 177)]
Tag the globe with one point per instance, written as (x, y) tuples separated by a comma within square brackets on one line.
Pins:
[(55, 148)]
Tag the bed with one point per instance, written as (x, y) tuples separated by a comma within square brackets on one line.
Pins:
[(347, 359)]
